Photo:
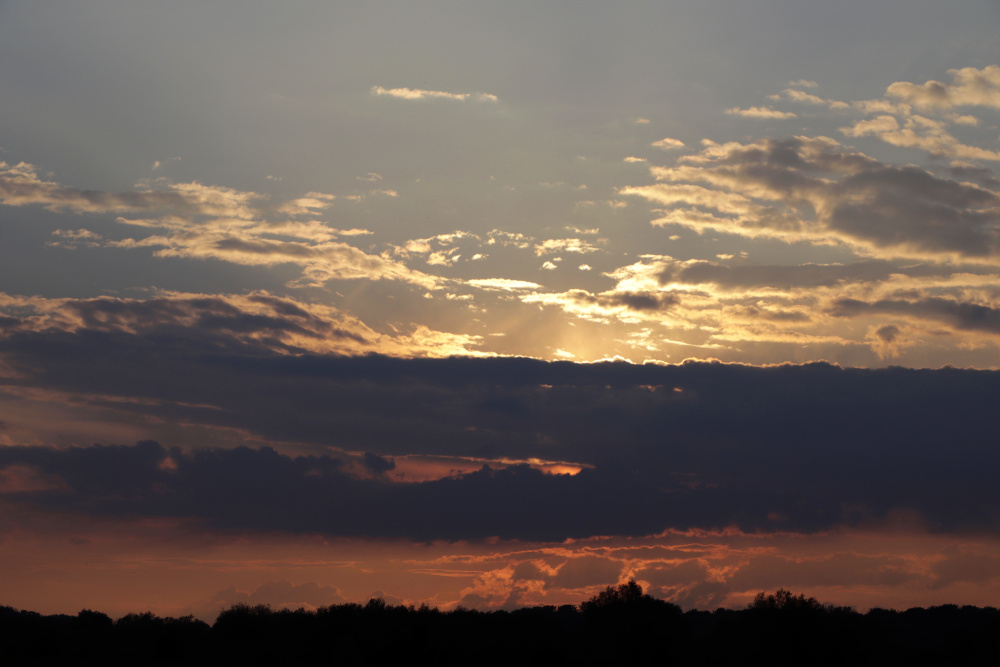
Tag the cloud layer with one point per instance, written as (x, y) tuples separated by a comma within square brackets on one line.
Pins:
[(800, 448)]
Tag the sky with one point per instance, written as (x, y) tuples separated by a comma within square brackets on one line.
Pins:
[(497, 304)]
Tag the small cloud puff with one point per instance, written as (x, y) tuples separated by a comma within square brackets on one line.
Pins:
[(418, 94), (666, 144), (760, 112)]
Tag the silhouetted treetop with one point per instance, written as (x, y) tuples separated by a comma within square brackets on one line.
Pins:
[(784, 600), (615, 596)]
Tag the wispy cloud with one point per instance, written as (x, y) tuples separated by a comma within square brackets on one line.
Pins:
[(667, 144), (200, 221), (258, 320), (919, 132), (418, 94), (503, 284)]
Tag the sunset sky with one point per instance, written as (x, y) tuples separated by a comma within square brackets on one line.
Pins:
[(300, 302)]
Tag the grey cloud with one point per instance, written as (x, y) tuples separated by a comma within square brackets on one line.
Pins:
[(774, 315), (963, 316), (206, 315), (779, 448), (907, 206), (637, 301), (888, 333), (806, 187), (981, 175), (21, 186), (378, 464)]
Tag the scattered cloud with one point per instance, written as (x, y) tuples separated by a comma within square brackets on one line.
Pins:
[(969, 87), (919, 132), (817, 190), (551, 246), (212, 222), (257, 320)]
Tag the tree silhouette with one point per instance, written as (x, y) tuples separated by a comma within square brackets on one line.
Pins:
[(616, 597), (784, 600)]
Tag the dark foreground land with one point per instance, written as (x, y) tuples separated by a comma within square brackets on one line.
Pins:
[(621, 626)]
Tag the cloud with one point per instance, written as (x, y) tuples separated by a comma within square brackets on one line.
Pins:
[(969, 87), (897, 124), (725, 450), (740, 277), (308, 205), (887, 341), (320, 261), (667, 144), (255, 321), (551, 246), (75, 238), (813, 189), (502, 284), (623, 305), (919, 132), (763, 113), (378, 464), (417, 94), (808, 98), (963, 316), (20, 185), (212, 222)]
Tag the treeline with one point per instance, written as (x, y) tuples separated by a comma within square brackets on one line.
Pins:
[(621, 625)]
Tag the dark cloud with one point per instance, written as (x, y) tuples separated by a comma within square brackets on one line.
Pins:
[(893, 206), (206, 315), (779, 448), (378, 464), (888, 333), (638, 301), (776, 448), (981, 175), (635, 301), (964, 316)]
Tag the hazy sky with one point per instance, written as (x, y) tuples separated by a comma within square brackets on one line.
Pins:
[(248, 236)]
